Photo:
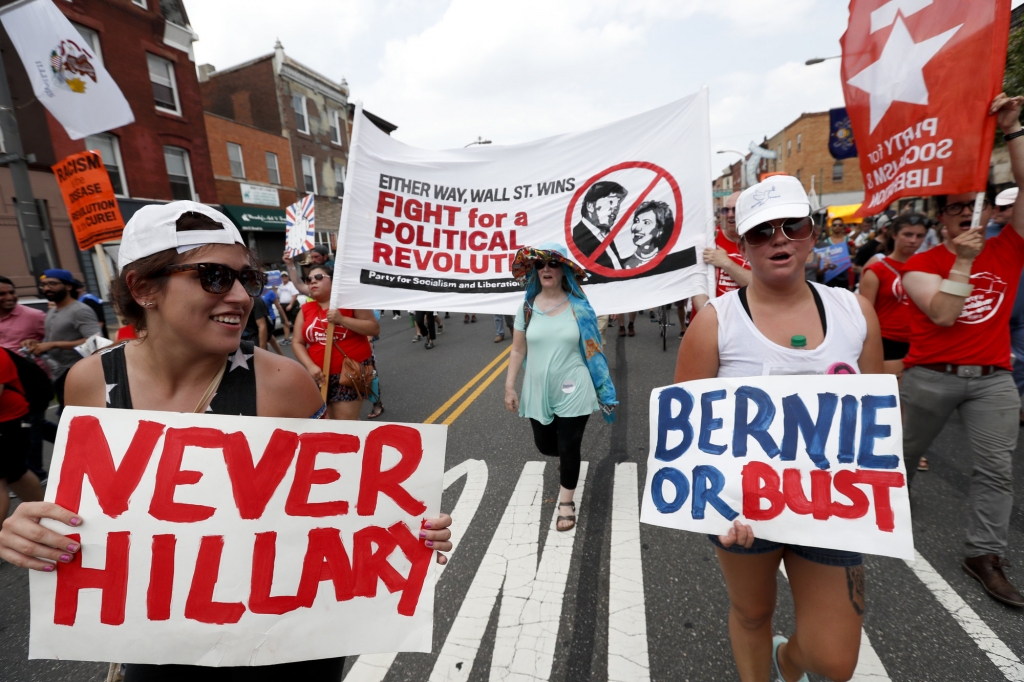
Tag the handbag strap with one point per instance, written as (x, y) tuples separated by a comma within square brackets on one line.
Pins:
[(201, 407)]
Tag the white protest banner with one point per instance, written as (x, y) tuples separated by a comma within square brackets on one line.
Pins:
[(220, 540), (66, 76), (300, 226), (807, 460), (437, 230)]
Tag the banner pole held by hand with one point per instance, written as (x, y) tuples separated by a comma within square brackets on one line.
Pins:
[(979, 203), (328, 344)]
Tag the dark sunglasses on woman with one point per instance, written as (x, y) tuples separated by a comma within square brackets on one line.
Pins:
[(541, 264), (215, 278), (795, 230), (318, 277)]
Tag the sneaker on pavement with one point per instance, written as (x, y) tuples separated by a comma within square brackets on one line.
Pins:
[(428, 345), (396, 317), (777, 641), (987, 569), (416, 339)]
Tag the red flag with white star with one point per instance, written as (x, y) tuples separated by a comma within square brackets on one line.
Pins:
[(918, 77)]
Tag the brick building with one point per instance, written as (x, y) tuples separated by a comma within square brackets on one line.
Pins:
[(255, 180), (146, 46), (279, 95), (801, 150)]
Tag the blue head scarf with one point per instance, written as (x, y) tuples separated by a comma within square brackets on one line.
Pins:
[(586, 320)]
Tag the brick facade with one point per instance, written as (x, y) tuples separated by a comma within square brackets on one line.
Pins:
[(254, 143), (802, 149), (126, 34)]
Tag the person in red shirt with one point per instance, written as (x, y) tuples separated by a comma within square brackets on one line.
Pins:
[(882, 285), (351, 332), (959, 359), (14, 440), (731, 269)]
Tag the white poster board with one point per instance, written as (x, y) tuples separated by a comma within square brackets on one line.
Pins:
[(437, 230), (807, 460), (223, 541)]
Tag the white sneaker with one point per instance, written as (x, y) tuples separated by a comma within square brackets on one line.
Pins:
[(777, 641)]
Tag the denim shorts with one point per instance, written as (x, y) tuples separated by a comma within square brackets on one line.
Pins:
[(819, 555)]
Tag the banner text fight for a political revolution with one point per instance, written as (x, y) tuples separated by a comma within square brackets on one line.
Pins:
[(220, 540), (807, 460), (437, 230)]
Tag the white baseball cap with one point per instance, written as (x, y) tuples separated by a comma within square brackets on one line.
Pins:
[(780, 196), (1006, 197), (154, 229)]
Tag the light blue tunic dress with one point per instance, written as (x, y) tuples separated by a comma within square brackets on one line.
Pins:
[(556, 380)]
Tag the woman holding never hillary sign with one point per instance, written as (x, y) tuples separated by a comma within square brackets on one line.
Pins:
[(187, 280), (782, 324)]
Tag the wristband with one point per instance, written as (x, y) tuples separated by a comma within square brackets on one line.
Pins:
[(960, 272), (956, 288), (1012, 135)]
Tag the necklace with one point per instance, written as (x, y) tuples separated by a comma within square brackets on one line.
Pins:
[(545, 312)]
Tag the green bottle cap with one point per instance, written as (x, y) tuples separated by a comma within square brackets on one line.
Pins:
[(798, 341)]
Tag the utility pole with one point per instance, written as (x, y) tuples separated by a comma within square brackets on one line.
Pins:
[(30, 225)]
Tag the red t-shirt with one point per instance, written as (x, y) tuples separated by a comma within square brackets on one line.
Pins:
[(892, 304), (981, 335), (12, 401), (725, 283), (356, 346)]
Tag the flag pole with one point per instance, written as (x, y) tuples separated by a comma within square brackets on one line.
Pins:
[(979, 203)]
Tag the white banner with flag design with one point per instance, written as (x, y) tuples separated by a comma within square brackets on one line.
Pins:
[(300, 226), (67, 77)]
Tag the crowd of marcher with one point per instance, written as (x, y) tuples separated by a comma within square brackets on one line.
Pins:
[(936, 307)]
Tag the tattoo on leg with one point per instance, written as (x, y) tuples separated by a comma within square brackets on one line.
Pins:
[(855, 587)]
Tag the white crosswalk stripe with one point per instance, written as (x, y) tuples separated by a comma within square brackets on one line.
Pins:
[(627, 616), (373, 667), (972, 624)]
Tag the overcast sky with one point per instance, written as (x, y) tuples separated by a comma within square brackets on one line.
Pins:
[(446, 71)]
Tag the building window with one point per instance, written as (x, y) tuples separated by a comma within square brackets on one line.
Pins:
[(301, 120), (309, 174), (798, 174), (837, 172), (180, 174), (273, 172), (339, 180), (789, 147), (235, 158), (173, 12), (328, 238), (799, 141), (332, 115), (165, 91), (92, 39), (109, 149)]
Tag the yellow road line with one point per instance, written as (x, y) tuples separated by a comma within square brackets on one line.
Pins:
[(473, 396), (462, 391)]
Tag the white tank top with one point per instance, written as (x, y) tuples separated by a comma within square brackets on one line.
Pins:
[(743, 351)]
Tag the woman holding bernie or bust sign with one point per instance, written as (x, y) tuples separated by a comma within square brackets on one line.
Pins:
[(187, 280), (556, 340), (783, 324)]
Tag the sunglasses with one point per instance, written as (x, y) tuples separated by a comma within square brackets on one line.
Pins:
[(317, 277), (725, 210), (541, 264), (959, 208), (794, 229), (215, 278)]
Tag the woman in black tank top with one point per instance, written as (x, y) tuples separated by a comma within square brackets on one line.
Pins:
[(187, 281)]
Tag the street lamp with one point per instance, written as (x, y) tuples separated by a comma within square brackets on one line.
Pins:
[(478, 140), (819, 60)]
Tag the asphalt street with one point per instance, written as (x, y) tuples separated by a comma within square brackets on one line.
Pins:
[(615, 599)]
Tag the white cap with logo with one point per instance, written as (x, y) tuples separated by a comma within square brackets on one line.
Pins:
[(154, 229), (780, 196), (1006, 197)]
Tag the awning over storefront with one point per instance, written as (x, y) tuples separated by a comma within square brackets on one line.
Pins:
[(251, 219), (844, 212)]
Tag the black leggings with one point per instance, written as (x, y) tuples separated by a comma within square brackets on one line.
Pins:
[(322, 670), (562, 438), (425, 322)]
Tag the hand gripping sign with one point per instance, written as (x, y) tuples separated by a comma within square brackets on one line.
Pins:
[(807, 460), (220, 540)]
